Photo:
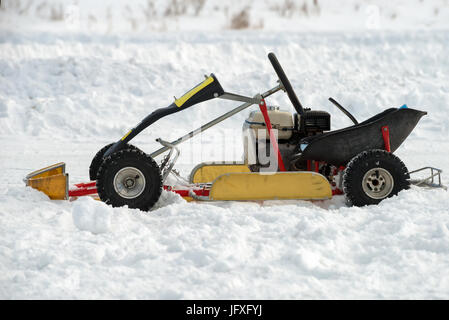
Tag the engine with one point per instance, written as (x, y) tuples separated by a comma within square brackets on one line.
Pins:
[(314, 122), (289, 129)]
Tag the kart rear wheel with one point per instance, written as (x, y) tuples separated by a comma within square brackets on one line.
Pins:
[(129, 177), (98, 159), (372, 176)]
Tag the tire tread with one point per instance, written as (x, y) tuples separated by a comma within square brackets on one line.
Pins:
[(148, 200), (98, 159)]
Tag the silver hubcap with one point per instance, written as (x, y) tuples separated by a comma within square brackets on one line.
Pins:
[(377, 183), (129, 182)]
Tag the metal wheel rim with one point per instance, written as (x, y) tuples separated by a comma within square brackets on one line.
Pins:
[(377, 183), (129, 182)]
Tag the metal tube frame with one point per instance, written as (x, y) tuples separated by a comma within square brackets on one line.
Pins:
[(168, 165), (429, 181), (225, 116)]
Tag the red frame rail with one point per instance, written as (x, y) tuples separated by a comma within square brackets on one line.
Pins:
[(273, 140), (386, 137)]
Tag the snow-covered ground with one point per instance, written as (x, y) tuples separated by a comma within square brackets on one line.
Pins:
[(64, 95)]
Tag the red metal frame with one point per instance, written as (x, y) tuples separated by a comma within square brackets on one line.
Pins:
[(86, 185), (337, 192), (317, 166), (386, 137), (83, 189), (199, 191), (273, 140)]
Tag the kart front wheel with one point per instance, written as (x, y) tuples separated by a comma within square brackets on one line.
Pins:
[(372, 176), (98, 160), (129, 177)]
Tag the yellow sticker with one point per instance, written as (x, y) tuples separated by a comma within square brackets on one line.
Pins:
[(124, 137), (179, 102)]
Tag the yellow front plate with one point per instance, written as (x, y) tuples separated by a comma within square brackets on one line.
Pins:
[(58, 168), (55, 186), (51, 180), (277, 186)]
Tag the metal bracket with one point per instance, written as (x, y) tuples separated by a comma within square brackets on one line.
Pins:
[(167, 165), (239, 98), (430, 181), (218, 120)]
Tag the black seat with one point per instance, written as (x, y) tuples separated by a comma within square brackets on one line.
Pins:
[(339, 146)]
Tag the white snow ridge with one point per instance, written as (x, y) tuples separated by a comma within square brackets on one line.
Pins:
[(91, 215), (66, 90)]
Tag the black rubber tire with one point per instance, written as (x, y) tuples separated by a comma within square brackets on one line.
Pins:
[(129, 158), (98, 159), (361, 164)]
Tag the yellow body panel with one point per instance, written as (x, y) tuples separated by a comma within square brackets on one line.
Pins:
[(55, 186), (209, 172), (179, 102), (277, 186)]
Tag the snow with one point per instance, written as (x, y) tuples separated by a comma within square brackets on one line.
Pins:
[(296, 250), (64, 94), (90, 215)]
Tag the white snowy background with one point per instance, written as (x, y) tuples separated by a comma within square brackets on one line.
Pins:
[(76, 75)]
